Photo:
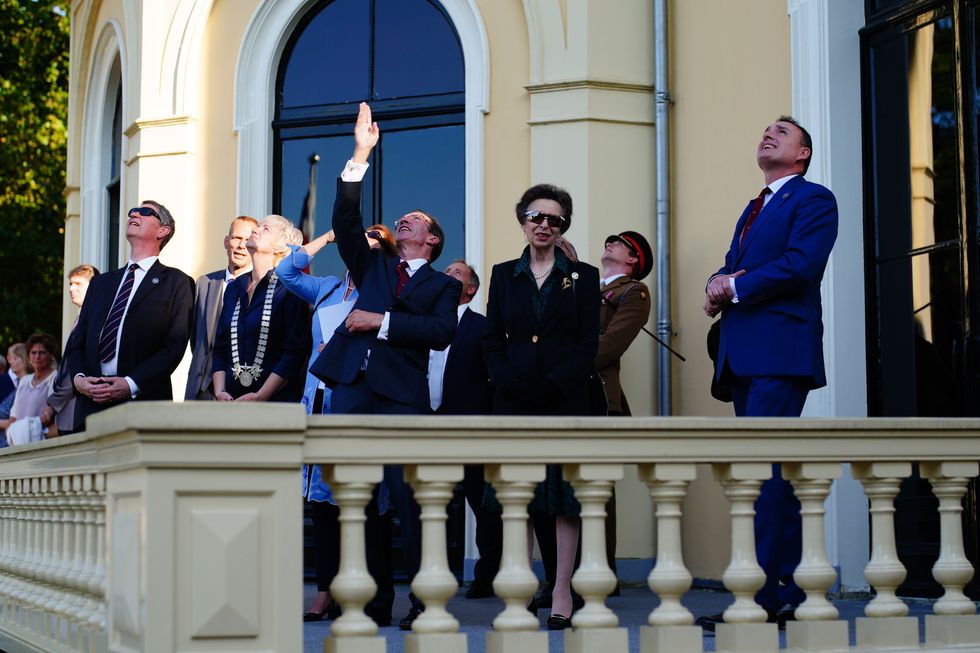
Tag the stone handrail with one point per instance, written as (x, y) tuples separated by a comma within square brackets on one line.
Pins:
[(177, 527)]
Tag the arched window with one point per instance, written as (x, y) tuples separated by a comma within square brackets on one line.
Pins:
[(404, 58)]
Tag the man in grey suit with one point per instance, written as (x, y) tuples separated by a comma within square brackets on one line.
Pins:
[(208, 299)]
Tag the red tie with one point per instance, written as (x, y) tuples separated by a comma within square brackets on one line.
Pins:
[(756, 208), (402, 271)]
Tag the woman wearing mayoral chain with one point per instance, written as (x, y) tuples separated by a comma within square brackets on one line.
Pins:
[(263, 339)]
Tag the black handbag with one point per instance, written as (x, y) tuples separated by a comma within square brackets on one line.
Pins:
[(719, 390)]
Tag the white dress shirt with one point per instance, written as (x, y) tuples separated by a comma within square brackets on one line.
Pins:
[(437, 366), (111, 367)]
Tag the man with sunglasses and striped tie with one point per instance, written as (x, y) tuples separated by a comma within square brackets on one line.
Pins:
[(134, 325)]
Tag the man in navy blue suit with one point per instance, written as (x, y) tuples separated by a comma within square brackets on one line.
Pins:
[(770, 352), (377, 361)]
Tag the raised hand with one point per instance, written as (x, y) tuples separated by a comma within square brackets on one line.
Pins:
[(366, 134)]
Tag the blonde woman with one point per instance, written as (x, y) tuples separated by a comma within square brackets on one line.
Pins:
[(263, 339)]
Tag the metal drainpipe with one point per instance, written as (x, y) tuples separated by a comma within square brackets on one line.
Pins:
[(662, 103)]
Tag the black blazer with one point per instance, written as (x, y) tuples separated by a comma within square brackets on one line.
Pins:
[(422, 318), (561, 347), (208, 297), (152, 338), (466, 388)]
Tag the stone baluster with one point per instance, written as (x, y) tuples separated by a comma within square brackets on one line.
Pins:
[(53, 558), (18, 555), (596, 626), (886, 624), (87, 578), (515, 629), (96, 585), (745, 629), (6, 539), (817, 627), (47, 589), (435, 629), (670, 629), (31, 589), (62, 572), (353, 587), (955, 621), (73, 576)]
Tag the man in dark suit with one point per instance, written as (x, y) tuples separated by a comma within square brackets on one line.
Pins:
[(770, 351), (459, 384), (377, 361), (208, 298), (132, 331), (60, 407)]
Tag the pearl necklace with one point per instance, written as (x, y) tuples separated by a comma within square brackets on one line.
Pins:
[(543, 274), (246, 375)]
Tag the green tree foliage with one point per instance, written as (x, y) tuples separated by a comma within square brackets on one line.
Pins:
[(33, 152)]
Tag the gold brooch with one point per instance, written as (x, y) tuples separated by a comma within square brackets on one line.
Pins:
[(566, 284)]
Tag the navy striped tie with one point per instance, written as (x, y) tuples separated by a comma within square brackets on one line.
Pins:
[(107, 341)]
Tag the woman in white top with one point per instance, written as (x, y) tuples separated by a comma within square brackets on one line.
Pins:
[(34, 389)]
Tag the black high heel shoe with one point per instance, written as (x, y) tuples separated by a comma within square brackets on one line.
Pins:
[(332, 611), (558, 622)]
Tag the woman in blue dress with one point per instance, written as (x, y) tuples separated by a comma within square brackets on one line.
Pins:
[(332, 299), (263, 341)]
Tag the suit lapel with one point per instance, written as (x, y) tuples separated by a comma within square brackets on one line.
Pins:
[(562, 290), (769, 210), (102, 312), (213, 303), (149, 283)]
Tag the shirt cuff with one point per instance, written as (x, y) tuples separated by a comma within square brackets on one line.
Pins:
[(731, 282), (353, 171), (383, 331), (133, 388), (300, 258)]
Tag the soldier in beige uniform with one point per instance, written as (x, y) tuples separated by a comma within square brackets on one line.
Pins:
[(627, 259)]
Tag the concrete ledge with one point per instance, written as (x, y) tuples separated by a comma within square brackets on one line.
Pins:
[(746, 638), (671, 639)]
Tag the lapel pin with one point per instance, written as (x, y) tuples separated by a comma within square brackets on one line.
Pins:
[(575, 275), (785, 195), (155, 280), (566, 284)]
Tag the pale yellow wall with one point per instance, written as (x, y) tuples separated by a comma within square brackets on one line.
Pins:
[(730, 77), (218, 145)]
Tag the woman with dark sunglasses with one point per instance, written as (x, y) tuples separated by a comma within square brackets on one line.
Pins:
[(540, 342), (332, 299)]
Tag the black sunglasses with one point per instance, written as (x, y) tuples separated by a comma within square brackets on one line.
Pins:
[(537, 217), (144, 211)]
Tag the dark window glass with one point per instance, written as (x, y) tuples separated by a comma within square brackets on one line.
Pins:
[(412, 36), (333, 152), (410, 68), (112, 188), (329, 63), (422, 171)]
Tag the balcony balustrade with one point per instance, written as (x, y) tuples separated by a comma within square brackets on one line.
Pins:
[(177, 527)]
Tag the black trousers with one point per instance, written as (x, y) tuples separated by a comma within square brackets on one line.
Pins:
[(489, 526)]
